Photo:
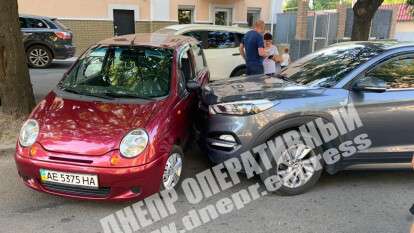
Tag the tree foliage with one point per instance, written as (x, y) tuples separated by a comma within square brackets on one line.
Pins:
[(411, 3), (394, 1), (292, 5)]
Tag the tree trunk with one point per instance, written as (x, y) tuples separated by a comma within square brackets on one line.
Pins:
[(16, 93), (364, 11)]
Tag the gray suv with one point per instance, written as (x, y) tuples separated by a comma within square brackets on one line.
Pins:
[(376, 78), (45, 39)]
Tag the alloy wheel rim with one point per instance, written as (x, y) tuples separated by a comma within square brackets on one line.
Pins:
[(296, 167), (39, 57), (172, 171)]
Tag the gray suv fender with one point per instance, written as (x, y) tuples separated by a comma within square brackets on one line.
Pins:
[(291, 122)]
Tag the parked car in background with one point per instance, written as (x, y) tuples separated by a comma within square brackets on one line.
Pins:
[(377, 78), (220, 44), (116, 126), (45, 39)]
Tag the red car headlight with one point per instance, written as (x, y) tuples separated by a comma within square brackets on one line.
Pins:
[(29, 133), (134, 143)]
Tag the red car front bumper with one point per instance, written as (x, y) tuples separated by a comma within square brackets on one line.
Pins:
[(115, 184)]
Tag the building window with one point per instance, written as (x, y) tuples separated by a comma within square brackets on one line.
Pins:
[(252, 16), (223, 16), (185, 15)]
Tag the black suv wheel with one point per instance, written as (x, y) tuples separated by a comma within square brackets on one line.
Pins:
[(39, 56)]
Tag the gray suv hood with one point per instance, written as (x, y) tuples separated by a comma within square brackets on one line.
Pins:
[(255, 87)]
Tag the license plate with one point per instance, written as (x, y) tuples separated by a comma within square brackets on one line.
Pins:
[(71, 179)]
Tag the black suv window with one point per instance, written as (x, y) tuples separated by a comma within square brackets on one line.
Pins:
[(50, 24), (22, 22), (35, 23), (395, 74), (222, 40)]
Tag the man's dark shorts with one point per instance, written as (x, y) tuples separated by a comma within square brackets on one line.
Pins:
[(254, 68)]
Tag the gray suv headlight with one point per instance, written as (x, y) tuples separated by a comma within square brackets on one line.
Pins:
[(245, 107)]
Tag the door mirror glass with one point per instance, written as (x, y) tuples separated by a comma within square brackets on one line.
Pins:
[(370, 84)]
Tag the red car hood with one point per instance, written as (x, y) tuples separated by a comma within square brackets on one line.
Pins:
[(90, 128)]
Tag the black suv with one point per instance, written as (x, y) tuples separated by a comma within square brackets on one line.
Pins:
[(45, 39)]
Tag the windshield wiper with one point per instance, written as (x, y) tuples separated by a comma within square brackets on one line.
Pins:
[(281, 77), (72, 90), (284, 78), (127, 95)]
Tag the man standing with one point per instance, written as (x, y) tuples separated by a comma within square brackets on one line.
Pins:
[(252, 49)]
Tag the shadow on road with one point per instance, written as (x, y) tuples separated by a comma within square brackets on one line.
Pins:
[(61, 64), (56, 65)]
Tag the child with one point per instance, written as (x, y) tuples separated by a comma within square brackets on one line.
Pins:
[(285, 58), (269, 63)]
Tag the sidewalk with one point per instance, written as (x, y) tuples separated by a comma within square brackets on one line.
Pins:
[(7, 149), (72, 59)]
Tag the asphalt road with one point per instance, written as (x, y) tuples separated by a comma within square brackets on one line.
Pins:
[(43, 80), (349, 202)]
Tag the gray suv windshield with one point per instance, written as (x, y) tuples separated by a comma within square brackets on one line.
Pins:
[(328, 66)]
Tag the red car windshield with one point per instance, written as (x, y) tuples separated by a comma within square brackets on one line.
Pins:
[(122, 72)]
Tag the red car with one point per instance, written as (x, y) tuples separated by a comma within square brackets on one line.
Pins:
[(116, 125)]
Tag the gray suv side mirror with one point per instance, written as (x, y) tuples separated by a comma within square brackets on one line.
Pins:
[(370, 84)]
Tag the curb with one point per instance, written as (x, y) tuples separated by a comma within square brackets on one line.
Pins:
[(72, 59), (5, 149)]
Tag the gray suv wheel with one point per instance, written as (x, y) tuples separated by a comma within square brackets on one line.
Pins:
[(296, 170)]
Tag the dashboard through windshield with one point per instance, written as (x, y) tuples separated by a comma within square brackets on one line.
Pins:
[(121, 72)]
